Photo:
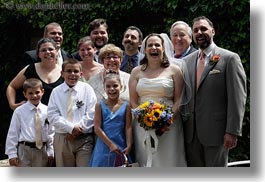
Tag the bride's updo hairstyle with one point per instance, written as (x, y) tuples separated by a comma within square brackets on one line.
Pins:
[(144, 62)]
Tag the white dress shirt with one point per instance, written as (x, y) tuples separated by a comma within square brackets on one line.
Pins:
[(60, 58), (83, 113), (22, 128)]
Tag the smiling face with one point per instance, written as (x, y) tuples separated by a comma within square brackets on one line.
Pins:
[(47, 52), (55, 33), (202, 33), (154, 48), (99, 36), (180, 38), (71, 73), (112, 87), (112, 62), (34, 94), (86, 51), (131, 40)]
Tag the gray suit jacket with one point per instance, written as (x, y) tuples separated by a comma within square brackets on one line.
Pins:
[(219, 105)]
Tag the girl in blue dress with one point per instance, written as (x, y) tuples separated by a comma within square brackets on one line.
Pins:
[(112, 124)]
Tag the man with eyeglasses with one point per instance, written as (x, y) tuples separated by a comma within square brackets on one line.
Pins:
[(54, 31)]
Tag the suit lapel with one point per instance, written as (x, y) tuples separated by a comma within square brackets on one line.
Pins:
[(208, 67)]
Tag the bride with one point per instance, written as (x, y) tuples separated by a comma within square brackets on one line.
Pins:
[(158, 79)]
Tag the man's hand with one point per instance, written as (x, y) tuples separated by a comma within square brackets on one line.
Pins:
[(230, 141)]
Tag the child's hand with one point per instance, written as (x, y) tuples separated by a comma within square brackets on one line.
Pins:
[(126, 150), (77, 130), (13, 162), (114, 148)]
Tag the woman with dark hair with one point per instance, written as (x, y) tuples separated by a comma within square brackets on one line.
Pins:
[(158, 80), (48, 71)]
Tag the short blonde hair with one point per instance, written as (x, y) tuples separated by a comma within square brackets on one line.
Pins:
[(110, 49)]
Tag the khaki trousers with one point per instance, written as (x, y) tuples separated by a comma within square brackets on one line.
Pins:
[(32, 157), (76, 153)]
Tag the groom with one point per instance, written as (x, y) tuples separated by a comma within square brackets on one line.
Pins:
[(218, 99)]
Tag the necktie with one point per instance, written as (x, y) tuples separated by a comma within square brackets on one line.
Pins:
[(70, 105), (38, 130), (177, 56), (200, 68), (129, 65)]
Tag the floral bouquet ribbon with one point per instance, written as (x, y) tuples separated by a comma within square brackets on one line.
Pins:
[(155, 118), (151, 148)]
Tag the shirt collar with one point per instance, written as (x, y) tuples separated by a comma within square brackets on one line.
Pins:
[(66, 87), (184, 53), (208, 50), (32, 107)]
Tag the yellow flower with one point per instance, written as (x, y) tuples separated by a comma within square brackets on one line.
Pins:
[(154, 115), (149, 119), (157, 113), (144, 105)]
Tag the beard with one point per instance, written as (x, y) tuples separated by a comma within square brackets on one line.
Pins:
[(203, 44)]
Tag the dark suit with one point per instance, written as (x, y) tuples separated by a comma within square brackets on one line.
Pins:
[(192, 49), (217, 107)]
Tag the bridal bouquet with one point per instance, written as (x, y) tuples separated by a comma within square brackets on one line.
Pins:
[(154, 115)]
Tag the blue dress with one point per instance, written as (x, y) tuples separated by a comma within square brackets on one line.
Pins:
[(113, 124)]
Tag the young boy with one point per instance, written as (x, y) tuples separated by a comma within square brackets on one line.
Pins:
[(71, 111), (22, 146)]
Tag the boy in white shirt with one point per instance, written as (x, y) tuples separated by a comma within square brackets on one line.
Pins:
[(71, 111), (27, 146)]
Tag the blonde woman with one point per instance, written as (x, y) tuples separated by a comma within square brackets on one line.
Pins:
[(111, 57)]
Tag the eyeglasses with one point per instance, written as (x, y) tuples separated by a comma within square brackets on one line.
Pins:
[(45, 50), (112, 57), (72, 71)]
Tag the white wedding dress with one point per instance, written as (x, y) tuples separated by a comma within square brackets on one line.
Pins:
[(170, 150)]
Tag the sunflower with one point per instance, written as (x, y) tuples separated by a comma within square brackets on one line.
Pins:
[(149, 119), (154, 115)]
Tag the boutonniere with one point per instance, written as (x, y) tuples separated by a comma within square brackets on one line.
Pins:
[(79, 104), (214, 59)]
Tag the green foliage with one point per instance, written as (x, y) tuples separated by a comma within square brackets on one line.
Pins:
[(20, 19)]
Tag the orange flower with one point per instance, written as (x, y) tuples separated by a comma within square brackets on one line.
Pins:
[(215, 59)]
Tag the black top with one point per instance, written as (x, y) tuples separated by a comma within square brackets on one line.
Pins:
[(31, 73)]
